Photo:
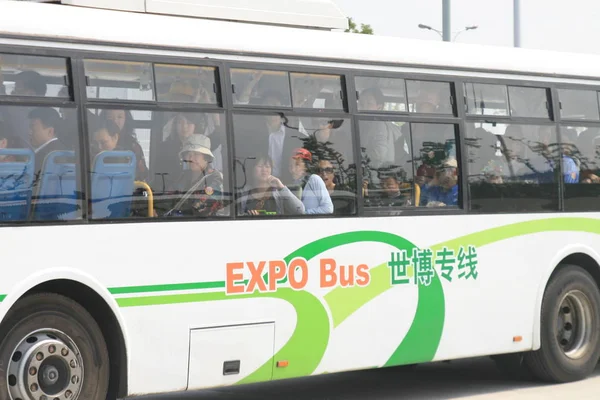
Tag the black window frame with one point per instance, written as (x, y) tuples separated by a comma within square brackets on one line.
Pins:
[(348, 73)]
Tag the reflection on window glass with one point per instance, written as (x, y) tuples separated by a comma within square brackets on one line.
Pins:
[(578, 104), (186, 176), (261, 87), (485, 99), (429, 97), (381, 94), (317, 91), (582, 145), (39, 169), (394, 152), (529, 102), (33, 76), (292, 165), (513, 168), (186, 84), (123, 80)]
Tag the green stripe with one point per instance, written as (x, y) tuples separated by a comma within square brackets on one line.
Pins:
[(305, 348), (2, 297), (167, 288)]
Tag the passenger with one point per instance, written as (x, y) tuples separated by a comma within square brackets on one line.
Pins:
[(445, 193), (44, 125), (245, 95), (381, 137), (589, 176), (306, 90), (30, 83), (27, 83), (106, 137), (544, 148), (272, 136), (314, 194), (200, 184), (493, 173), (344, 201), (128, 139), (391, 194), (268, 196), (168, 168)]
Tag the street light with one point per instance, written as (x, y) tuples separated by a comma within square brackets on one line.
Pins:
[(467, 28), (431, 29)]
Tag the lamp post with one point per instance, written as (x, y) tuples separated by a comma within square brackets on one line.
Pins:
[(467, 28), (517, 23)]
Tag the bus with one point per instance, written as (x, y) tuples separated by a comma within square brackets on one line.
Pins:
[(189, 203)]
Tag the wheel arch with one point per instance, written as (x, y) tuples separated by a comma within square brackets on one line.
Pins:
[(580, 255), (97, 300)]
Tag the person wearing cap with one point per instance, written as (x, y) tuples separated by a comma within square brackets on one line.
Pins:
[(445, 193), (201, 185), (493, 172), (314, 194), (168, 163)]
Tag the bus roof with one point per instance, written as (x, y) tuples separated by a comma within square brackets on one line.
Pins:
[(316, 14), (68, 23)]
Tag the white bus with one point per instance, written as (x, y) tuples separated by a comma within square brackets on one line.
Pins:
[(189, 203)]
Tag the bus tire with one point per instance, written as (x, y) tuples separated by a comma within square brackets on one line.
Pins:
[(51, 346), (569, 329)]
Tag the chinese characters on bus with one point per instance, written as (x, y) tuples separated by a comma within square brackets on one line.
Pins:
[(419, 266)]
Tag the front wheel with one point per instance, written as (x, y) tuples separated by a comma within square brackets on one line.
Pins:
[(570, 328), (52, 348)]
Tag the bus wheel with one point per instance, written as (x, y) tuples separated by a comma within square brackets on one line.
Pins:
[(570, 328), (52, 348)]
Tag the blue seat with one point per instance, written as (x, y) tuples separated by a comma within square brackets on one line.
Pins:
[(112, 181), (16, 184), (57, 196)]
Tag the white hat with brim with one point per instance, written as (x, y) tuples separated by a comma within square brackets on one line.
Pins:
[(197, 143)]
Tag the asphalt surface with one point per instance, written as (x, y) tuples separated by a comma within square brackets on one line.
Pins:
[(473, 379)]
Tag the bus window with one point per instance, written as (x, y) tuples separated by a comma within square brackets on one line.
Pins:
[(486, 99), (435, 163), (317, 91), (582, 145), (429, 97), (294, 165), (182, 171), (123, 80), (381, 94), (39, 174), (407, 165), (529, 102), (578, 104), (513, 168), (33, 76), (186, 84), (260, 87)]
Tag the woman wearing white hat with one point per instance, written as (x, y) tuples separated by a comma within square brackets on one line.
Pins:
[(201, 184)]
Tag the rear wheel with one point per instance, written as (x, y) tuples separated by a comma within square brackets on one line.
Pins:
[(570, 328), (52, 348)]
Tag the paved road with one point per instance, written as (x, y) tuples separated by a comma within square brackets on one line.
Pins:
[(475, 379)]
